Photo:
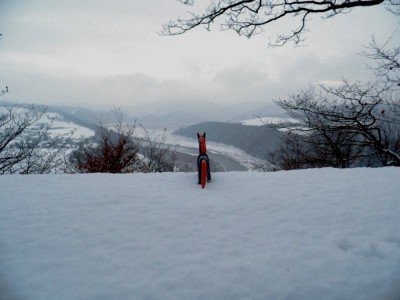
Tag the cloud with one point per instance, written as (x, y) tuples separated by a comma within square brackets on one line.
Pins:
[(94, 52), (243, 75)]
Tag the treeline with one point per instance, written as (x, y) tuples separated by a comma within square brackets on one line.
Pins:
[(26, 148)]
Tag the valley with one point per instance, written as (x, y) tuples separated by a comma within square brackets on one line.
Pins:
[(231, 146)]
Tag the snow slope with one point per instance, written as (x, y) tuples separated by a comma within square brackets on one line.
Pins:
[(59, 127), (262, 121), (309, 234)]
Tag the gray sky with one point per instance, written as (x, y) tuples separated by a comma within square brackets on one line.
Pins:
[(100, 53)]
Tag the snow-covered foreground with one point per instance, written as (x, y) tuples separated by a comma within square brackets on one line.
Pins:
[(311, 234)]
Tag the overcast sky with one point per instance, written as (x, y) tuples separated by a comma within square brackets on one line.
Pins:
[(101, 53)]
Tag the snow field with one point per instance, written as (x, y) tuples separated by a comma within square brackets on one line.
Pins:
[(309, 234)]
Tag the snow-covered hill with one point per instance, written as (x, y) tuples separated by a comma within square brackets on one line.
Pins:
[(310, 234), (59, 126)]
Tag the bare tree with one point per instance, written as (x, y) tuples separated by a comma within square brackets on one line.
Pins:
[(158, 155), (19, 140), (342, 127), (249, 17), (45, 158), (21, 152), (299, 150), (114, 150), (20, 144), (360, 123)]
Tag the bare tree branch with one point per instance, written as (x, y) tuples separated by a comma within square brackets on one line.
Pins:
[(249, 17), (386, 59)]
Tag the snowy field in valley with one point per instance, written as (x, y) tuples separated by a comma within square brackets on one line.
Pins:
[(301, 235), (262, 121), (59, 127), (248, 161), (287, 123)]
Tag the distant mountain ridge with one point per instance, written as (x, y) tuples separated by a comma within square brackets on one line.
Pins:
[(170, 115), (258, 141)]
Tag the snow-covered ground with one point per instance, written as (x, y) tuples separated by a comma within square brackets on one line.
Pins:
[(261, 121), (59, 127), (308, 234), (286, 123)]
